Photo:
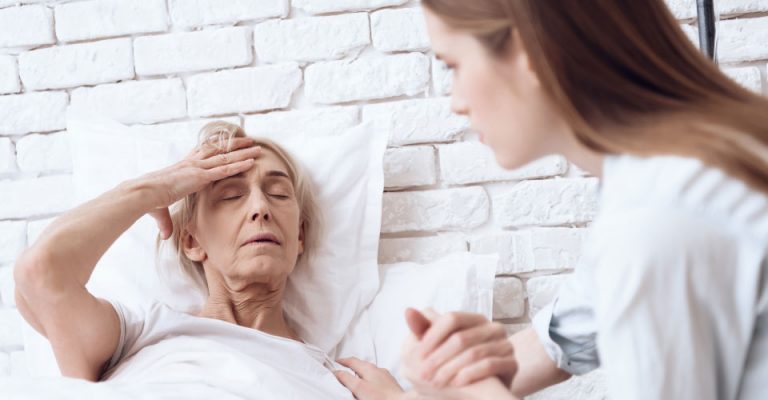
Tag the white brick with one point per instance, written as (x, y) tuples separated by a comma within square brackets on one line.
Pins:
[(547, 203), (409, 167), (243, 90), (10, 329), (367, 78), (26, 26), (7, 157), (13, 239), (33, 197), (399, 30), (442, 77), (193, 51), (532, 250), (95, 19), (7, 286), (417, 121), (450, 209), (145, 102), (591, 386), (35, 228), (9, 75), (325, 121), (324, 7), (5, 364), (76, 65), (472, 162), (38, 153), (542, 290), (311, 39), (19, 368), (742, 40), (420, 249), (33, 112), (186, 13), (508, 298), (749, 77)]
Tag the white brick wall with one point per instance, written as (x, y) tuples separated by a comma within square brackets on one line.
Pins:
[(77, 65), (95, 19), (193, 51), (290, 67)]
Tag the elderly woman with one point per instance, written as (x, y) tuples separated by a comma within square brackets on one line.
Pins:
[(245, 215)]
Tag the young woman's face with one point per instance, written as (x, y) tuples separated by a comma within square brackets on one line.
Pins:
[(501, 95)]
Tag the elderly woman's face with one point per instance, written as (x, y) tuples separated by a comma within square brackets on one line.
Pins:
[(248, 226)]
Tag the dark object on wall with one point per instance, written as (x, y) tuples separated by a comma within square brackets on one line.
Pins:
[(706, 12)]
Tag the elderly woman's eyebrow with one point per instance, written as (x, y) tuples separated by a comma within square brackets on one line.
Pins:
[(236, 176)]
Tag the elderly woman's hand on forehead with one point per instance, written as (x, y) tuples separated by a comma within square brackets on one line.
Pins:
[(205, 164)]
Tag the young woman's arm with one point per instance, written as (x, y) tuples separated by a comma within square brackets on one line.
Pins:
[(51, 275), (535, 370)]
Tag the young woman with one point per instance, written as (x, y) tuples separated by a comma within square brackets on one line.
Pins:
[(672, 297)]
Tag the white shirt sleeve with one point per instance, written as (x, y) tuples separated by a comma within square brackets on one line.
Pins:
[(131, 326), (567, 327)]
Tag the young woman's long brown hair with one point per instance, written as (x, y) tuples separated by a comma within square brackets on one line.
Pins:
[(628, 64)]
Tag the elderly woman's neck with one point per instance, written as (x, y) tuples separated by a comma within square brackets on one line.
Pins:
[(256, 306)]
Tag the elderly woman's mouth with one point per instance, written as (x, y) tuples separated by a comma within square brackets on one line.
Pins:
[(262, 239)]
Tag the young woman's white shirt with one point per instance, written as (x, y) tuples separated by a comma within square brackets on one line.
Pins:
[(671, 297)]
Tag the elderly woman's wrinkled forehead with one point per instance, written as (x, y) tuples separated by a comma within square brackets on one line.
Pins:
[(268, 166)]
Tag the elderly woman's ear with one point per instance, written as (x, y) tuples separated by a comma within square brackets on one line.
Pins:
[(192, 248)]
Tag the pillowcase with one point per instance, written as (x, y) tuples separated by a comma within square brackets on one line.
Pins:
[(324, 294), (457, 282)]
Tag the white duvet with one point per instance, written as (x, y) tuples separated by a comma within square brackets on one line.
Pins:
[(166, 354)]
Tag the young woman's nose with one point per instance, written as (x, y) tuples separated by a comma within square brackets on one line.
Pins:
[(458, 105)]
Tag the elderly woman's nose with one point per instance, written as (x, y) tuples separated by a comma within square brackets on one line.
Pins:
[(260, 207)]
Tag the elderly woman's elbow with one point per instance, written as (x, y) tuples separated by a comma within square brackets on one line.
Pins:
[(33, 273)]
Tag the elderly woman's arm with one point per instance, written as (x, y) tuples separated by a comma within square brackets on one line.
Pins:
[(51, 275)]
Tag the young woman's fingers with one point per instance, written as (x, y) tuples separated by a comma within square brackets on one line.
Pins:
[(457, 344), (417, 322), (220, 159), (227, 170), (450, 369), (444, 326), (503, 367)]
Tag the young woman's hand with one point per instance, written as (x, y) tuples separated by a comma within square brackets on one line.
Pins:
[(205, 164), (456, 349), (372, 382)]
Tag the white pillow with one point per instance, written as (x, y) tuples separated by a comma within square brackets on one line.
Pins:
[(323, 297), (457, 282)]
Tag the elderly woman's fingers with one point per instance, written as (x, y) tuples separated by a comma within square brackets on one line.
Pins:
[(458, 344), (351, 382), (447, 372), (362, 368), (164, 223), (225, 171), (446, 325), (209, 149), (221, 159)]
